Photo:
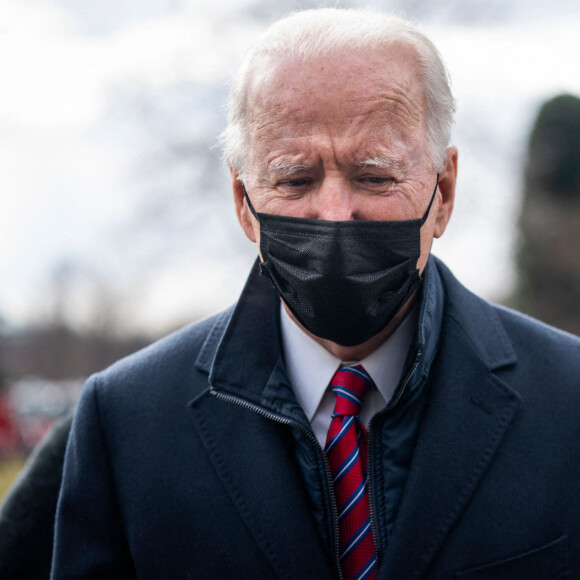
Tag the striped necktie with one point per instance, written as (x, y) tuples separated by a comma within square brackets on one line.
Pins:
[(346, 452)]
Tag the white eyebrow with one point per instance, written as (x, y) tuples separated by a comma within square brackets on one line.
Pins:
[(288, 168), (384, 161)]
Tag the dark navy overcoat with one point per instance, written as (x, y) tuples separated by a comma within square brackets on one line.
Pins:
[(188, 459)]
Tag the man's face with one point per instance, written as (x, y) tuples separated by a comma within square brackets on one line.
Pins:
[(343, 139)]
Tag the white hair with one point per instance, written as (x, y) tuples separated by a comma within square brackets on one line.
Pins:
[(312, 34)]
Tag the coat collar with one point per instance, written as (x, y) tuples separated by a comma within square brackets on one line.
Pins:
[(243, 348), (251, 331), (243, 356), (479, 322)]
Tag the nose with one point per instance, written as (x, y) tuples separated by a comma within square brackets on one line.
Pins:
[(333, 201)]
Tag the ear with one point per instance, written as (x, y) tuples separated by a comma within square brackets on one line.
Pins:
[(447, 181), (245, 217)]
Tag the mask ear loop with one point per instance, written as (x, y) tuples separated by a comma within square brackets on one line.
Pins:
[(254, 213), (426, 214), (263, 264)]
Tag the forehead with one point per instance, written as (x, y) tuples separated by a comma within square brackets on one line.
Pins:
[(342, 93)]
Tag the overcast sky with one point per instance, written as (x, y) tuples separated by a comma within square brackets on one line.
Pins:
[(107, 110)]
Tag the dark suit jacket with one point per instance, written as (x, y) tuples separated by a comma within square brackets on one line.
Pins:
[(167, 478)]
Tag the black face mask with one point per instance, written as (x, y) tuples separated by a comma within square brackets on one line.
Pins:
[(343, 281)]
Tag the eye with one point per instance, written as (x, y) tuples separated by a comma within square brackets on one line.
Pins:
[(376, 179), (298, 182), (296, 186)]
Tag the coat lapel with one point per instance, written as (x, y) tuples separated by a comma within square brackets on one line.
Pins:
[(253, 454), (468, 413)]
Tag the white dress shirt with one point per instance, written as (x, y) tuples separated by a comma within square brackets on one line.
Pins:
[(311, 367)]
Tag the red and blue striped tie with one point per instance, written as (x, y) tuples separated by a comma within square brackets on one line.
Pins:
[(347, 455)]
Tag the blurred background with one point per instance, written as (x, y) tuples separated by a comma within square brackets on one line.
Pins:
[(116, 223)]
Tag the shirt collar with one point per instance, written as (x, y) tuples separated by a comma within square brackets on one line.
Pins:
[(310, 366)]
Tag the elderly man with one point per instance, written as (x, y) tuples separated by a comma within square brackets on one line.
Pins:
[(357, 414)]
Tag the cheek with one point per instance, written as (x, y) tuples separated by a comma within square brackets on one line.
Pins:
[(396, 207)]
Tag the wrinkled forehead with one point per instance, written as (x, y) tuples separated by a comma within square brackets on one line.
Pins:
[(387, 77)]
